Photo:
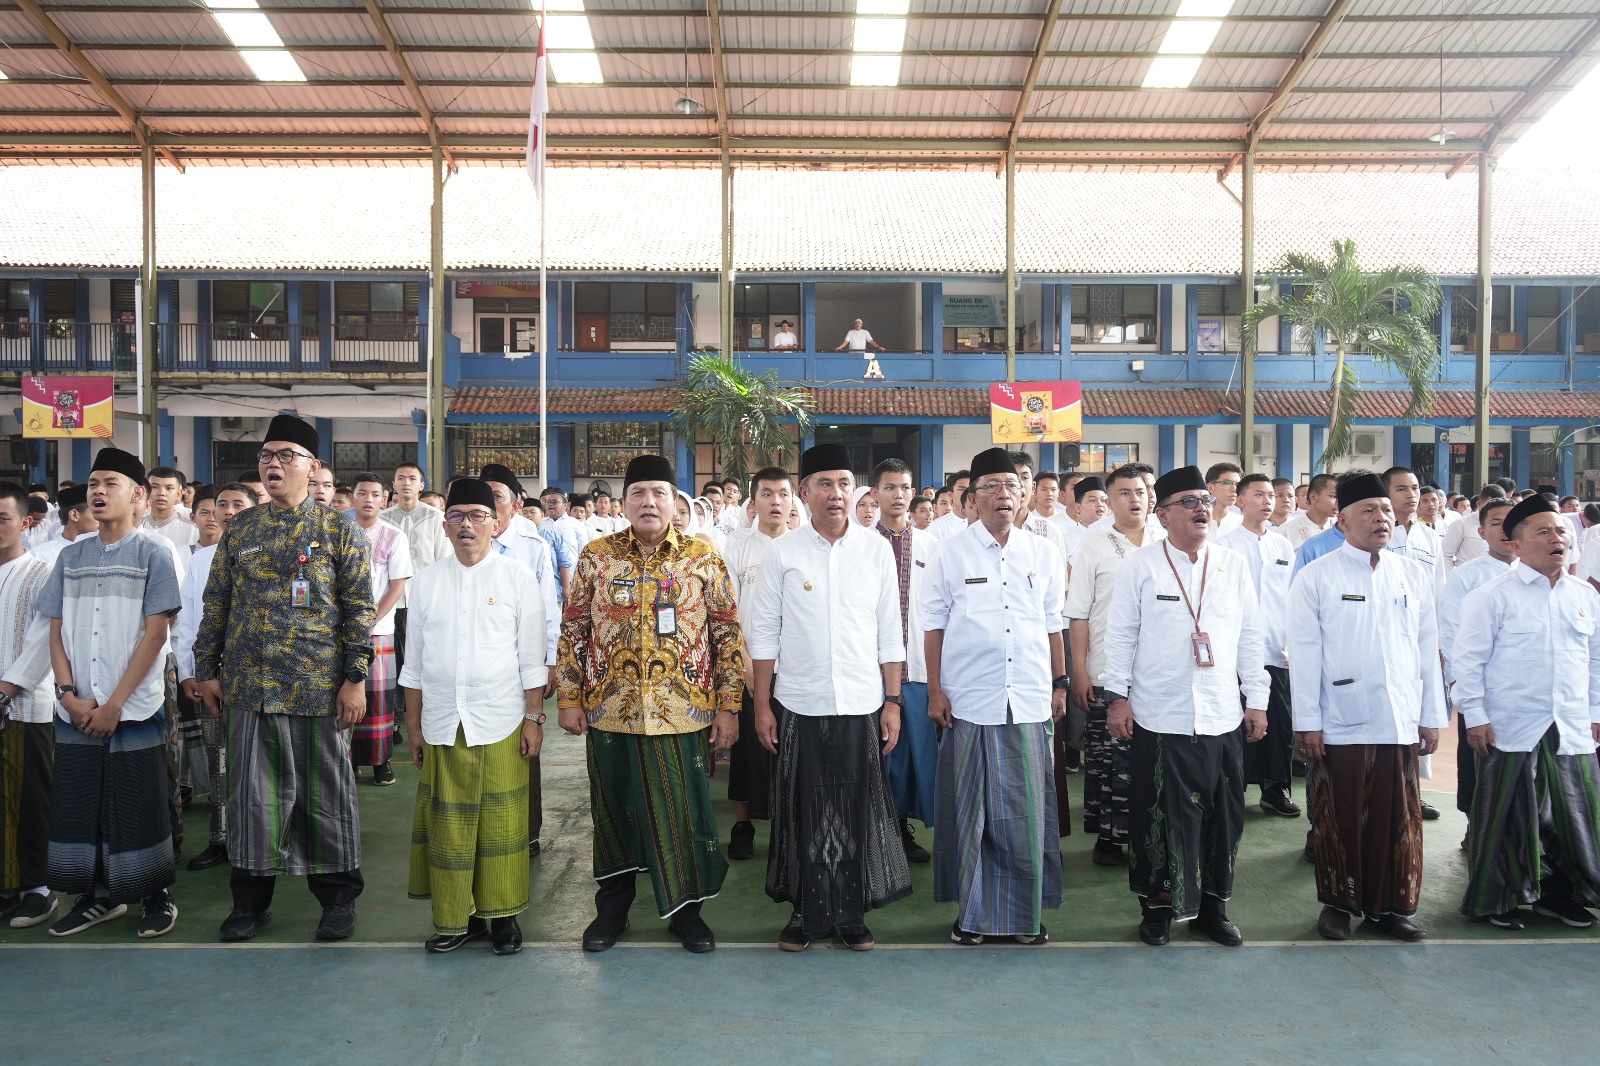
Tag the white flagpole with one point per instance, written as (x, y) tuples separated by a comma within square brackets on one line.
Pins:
[(542, 104)]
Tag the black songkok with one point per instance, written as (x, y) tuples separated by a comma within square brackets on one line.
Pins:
[(117, 461), (295, 431), (1086, 486), (73, 498), (993, 461), (501, 475), (1180, 480), (1361, 487), (1535, 504), (470, 490), (648, 468), (824, 457)]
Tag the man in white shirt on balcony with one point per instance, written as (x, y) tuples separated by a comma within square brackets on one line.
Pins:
[(826, 619), (857, 339), (996, 669), (1527, 667), (785, 340), (1368, 695), (1322, 503), (166, 495), (1183, 642)]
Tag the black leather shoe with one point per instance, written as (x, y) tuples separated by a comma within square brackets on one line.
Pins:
[(1109, 854), (1156, 929), (914, 852), (1215, 924), (1399, 928), (242, 925), (214, 855), (742, 843), (603, 932), (338, 922), (693, 931), (857, 937), (533, 849), (1333, 924), (440, 943), (505, 935)]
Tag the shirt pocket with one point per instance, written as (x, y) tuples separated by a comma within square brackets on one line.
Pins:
[(496, 631), (982, 598)]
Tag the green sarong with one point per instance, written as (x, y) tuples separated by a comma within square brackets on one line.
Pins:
[(469, 836), (651, 802)]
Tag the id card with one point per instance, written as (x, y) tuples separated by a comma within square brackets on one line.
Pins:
[(1202, 649), (299, 593), (666, 620)]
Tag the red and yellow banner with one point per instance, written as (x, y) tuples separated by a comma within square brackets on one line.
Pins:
[(1038, 411), (68, 407)]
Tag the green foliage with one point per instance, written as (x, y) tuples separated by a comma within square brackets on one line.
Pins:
[(743, 413), (1387, 315)]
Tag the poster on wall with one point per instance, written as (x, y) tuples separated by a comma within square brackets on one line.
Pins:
[(1038, 411), (1208, 335), (68, 406), (974, 310)]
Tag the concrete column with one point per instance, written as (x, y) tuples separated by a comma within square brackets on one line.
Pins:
[(1522, 456), (1319, 436), (1191, 446), (1166, 437), (202, 450), (1402, 448), (1286, 450)]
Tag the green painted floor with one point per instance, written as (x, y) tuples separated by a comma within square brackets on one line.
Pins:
[(1274, 900)]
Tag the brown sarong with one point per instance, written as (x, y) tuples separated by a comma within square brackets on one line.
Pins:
[(1366, 825)]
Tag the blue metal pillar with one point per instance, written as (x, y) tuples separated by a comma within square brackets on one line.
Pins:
[(36, 324), (167, 434), (1165, 447), (424, 327), (561, 448), (1047, 318), (565, 316), (202, 317), (685, 464), (419, 419), (1567, 467), (1286, 450), (82, 332), (1191, 320), (325, 438), (202, 450), (326, 334), (1064, 316), (1165, 319), (1319, 435), (1402, 450), (82, 459), (931, 455), (293, 311), (1522, 456), (1191, 446)]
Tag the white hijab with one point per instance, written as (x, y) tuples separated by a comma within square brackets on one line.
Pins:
[(855, 500)]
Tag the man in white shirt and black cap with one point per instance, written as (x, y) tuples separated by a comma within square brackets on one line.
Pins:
[(1183, 643), (826, 618), (1527, 668), (996, 668), (1368, 695), (474, 688)]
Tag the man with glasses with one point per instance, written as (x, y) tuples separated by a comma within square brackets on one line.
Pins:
[(996, 670), (1223, 481), (288, 613), (1182, 644)]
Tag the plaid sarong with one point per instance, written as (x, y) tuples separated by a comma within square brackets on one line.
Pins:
[(469, 835), (372, 738)]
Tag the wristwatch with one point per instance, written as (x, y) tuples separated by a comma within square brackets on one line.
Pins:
[(63, 691), (536, 719), (1062, 682), (898, 701)]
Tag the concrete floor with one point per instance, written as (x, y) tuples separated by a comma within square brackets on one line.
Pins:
[(1470, 994)]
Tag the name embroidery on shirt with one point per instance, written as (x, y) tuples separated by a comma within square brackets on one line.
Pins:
[(251, 551), (977, 580), (1353, 598), (1281, 562), (1173, 599)]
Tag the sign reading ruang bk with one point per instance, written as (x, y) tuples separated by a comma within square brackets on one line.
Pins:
[(1040, 411), (68, 407)]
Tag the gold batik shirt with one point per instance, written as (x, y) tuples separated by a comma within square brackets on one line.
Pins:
[(615, 663)]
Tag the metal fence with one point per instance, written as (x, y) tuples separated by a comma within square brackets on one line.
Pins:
[(44, 347)]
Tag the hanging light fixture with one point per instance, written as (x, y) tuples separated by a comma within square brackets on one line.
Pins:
[(686, 104), (1445, 134)]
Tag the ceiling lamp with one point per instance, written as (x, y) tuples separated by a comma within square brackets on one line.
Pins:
[(1445, 134), (686, 105)]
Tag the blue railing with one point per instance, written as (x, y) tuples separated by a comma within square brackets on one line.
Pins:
[(62, 347)]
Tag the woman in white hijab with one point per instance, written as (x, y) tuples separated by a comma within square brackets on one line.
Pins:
[(863, 508), (703, 526)]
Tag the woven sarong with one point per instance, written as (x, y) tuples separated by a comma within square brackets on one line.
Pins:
[(292, 801), (372, 738), (1365, 807), (1186, 803)]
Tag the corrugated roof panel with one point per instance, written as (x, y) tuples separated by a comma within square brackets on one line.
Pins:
[(399, 122), (651, 32), (985, 35), (1067, 102), (330, 28), (1246, 75), (38, 62), (962, 70), (186, 65), (446, 28), (1073, 35), (1423, 72), (140, 27), (473, 66), (1096, 71), (109, 122), (780, 33), (584, 99), (874, 128), (335, 66), (1032, 8), (833, 102), (17, 28), (1099, 131), (257, 96)]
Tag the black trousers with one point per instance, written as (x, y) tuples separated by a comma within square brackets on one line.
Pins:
[(750, 765), (254, 893), (1270, 760), (399, 647), (27, 765)]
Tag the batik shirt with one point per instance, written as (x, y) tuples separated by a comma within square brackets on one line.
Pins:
[(617, 667), (270, 655)]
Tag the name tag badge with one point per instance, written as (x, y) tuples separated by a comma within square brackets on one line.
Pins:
[(1202, 649), (977, 580), (666, 620), (1281, 562), (299, 593), (1166, 599), (1352, 598), (622, 592)]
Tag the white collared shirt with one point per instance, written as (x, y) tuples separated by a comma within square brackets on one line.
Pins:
[(1300, 528), (946, 525), (1527, 655), (1364, 649), (1152, 525), (475, 644), (785, 339), (521, 541), (1270, 560), (1588, 564), (1462, 580), (50, 549), (746, 550), (25, 638), (1149, 647), (830, 615), (1462, 543), (1044, 529), (187, 624), (1421, 543), (176, 528), (1094, 574), (998, 605)]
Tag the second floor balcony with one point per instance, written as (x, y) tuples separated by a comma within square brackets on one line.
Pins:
[(245, 347)]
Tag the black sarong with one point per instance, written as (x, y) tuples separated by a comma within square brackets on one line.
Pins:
[(1105, 777), (1269, 761), (750, 765), (1186, 800)]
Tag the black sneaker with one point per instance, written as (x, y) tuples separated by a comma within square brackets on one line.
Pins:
[(35, 909), (338, 922), (85, 914), (1108, 854), (793, 937), (1275, 800), (1508, 920), (742, 843), (242, 925), (914, 852), (382, 775), (160, 915), (963, 937), (1563, 910), (857, 937), (1430, 813)]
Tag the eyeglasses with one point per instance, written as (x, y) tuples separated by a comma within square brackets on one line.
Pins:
[(1191, 503), (285, 456), (477, 518), (994, 488)]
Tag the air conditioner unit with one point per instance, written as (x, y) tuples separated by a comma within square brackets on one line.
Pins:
[(233, 423), (1260, 440), (1366, 443)]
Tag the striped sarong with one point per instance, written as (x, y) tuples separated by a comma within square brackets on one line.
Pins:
[(292, 796), (996, 845), (110, 827), (469, 835), (372, 738), (836, 852), (1535, 828), (1365, 808), (650, 797)]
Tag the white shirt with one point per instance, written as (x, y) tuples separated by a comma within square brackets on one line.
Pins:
[(391, 562), (1149, 650), (1421, 543), (785, 339), (1152, 525), (1528, 655), (857, 340), (423, 526), (1044, 529), (1462, 580), (830, 615), (475, 644), (177, 529), (25, 638), (1231, 520), (1094, 575), (598, 526), (1270, 560), (50, 550), (997, 606), (1072, 537), (745, 552), (946, 525), (521, 541), (1462, 543), (187, 624), (1301, 528), (1588, 565), (1364, 649)]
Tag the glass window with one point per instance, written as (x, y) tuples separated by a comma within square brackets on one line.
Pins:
[(591, 298), (310, 302), (1587, 308), (1113, 314), (14, 304), (604, 449), (377, 457), (1095, 458), (249, 310), (376, 310), (514, 445), (1464, 312)]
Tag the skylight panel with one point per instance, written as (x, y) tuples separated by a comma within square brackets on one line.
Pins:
[(878, 40), (1188, 38), (258, 43)]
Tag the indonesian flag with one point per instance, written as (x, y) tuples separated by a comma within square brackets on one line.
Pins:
[(536, 116)]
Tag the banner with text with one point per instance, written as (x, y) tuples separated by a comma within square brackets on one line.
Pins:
[(1039, 411)]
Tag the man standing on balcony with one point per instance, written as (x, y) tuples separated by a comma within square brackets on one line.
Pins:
[(166, 496), (857, 340), (288, 610), (785, 340), (423, 525)]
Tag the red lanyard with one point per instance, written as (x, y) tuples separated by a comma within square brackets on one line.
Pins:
[(1194, 612)]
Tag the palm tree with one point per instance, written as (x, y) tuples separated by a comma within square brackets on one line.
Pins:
[(742, 412), (1386, 315)]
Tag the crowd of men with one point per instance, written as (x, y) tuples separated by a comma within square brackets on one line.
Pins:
[(852, 656)]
